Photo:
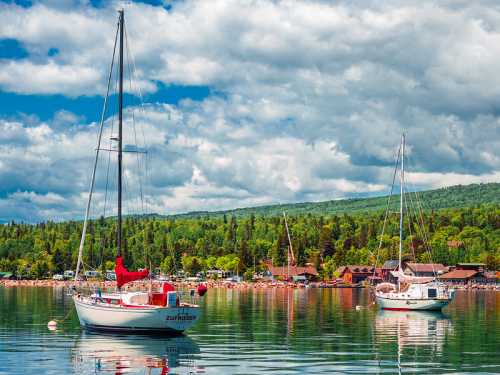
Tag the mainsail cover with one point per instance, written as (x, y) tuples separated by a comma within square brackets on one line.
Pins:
[(124, 276), (411, 279)]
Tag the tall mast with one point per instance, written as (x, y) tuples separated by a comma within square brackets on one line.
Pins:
[(290, 250), (120, 122), (402, 180)]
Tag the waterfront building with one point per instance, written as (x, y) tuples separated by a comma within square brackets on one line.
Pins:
[(469, 277), (424, 269), (387, 267), (459, 277), (479, 267), (308, 272), (353, 274)]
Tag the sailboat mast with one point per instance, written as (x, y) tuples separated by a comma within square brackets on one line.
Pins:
[(290, 251), (120, 123), (402, 179)]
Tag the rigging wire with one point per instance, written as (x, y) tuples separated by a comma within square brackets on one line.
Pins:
[(82, 240), (422, 225), (139, 174), (108, 191), (387, 208), (141, 101), (138, 164), (409, 213), (110, 147), (133, 74)]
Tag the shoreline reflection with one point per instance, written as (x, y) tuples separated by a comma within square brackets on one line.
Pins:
[(120, 354)]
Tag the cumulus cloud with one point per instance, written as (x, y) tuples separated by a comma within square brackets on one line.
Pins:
[(308, 98)]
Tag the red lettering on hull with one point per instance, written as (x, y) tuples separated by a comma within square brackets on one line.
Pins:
[(397, 308)]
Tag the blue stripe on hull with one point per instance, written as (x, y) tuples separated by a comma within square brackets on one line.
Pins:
[(144, 331)]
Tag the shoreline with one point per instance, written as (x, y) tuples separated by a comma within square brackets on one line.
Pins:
[(210, 285)]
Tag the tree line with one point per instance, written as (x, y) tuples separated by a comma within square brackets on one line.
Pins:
[(243, 244)]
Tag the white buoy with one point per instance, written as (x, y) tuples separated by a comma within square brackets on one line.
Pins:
[(358, 307), (52, 325)]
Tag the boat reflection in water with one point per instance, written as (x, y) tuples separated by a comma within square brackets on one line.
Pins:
[(100, 353), (417, 333)]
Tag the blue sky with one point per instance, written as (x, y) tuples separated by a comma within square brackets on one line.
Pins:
[(247, 103)]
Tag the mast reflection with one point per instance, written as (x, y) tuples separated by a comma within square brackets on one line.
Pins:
[(415, 332)]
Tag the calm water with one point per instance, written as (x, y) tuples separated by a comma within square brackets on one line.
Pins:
[(259, 332)]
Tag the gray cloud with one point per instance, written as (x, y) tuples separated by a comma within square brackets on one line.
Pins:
[(310, 99)]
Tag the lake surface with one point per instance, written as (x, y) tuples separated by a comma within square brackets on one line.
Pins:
[(312, 331)]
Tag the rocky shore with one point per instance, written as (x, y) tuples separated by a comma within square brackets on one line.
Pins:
[(145, 284), (104, 285)]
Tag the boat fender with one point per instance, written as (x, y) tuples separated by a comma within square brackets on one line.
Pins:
[(202, 289)]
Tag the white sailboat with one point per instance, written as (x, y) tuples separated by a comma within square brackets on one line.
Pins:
[(411, 292), (147, 312)]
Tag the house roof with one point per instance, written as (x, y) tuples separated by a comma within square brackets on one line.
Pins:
[(391, 264), (292, 271), (426, 267), (355, 269), (472, 264), (459, 274)]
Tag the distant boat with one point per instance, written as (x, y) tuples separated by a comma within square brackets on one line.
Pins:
[(145, 312), (411, 292)]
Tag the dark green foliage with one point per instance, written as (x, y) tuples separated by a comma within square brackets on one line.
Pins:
[(241, 242), (459, 196)]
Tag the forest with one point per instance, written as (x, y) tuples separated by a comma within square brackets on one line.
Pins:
[(468, 232)]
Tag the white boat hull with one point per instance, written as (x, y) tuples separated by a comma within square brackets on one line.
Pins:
[(105, 317), (411, 304)]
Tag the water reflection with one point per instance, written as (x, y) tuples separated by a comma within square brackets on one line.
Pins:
[(278, 331), (100, 353), (418, 334)]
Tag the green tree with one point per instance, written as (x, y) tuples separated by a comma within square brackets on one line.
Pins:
[(192, 264), (167, 266)]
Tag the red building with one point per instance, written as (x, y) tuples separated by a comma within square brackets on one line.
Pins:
[(289, 272), (353, 274)]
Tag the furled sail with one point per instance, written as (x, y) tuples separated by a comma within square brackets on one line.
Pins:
[(124, 276), (403, 278)]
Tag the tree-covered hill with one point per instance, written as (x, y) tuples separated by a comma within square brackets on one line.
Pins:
[(459, 196), (459, 224)]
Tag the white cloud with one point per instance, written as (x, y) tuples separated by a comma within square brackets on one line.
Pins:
[(439, 180), (23, 77), (308, 98)]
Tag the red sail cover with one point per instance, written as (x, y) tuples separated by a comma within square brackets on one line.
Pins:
[(124, 276)]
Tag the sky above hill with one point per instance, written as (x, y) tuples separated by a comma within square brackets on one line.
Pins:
[(246, 102)]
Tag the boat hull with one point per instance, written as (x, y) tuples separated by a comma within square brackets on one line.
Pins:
[(151, 320), (411, 304)]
